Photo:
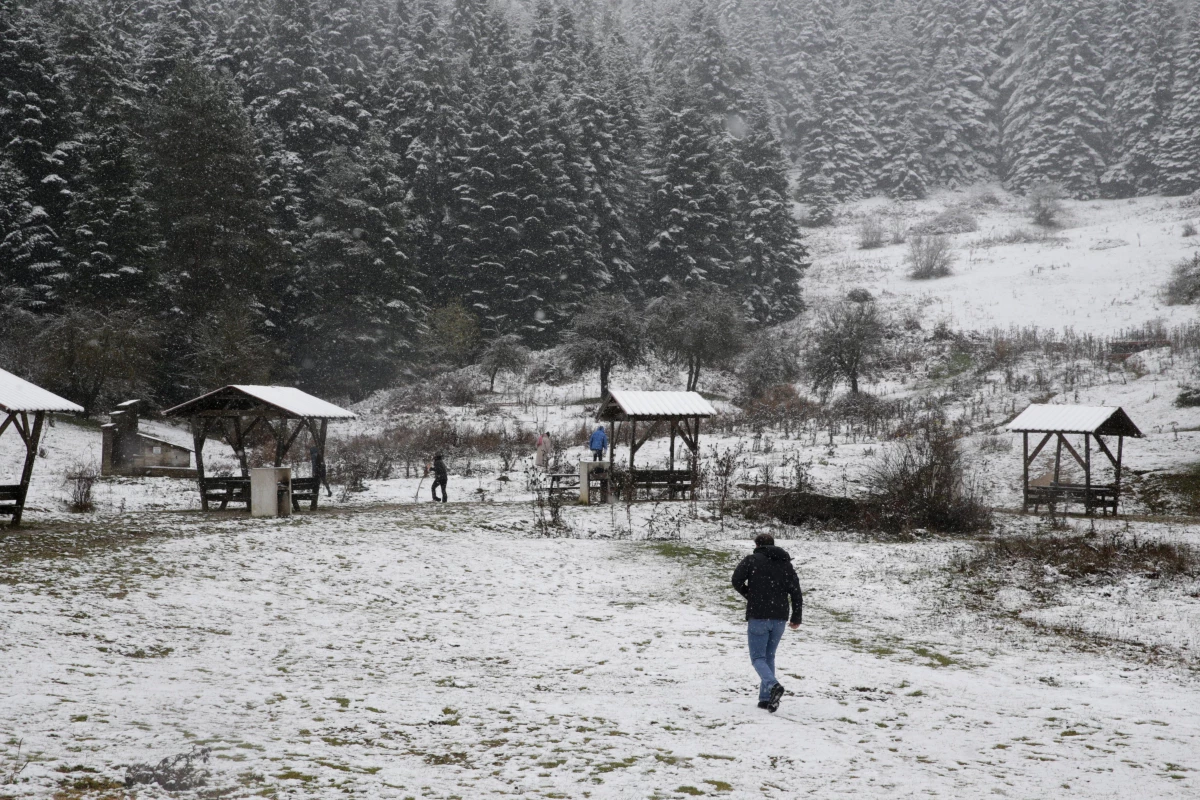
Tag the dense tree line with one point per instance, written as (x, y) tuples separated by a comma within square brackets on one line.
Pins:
[(292, 189)]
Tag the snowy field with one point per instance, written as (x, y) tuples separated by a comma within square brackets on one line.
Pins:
[(386, 647), (429, 651)]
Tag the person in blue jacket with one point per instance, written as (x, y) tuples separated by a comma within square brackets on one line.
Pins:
[(598, 442)]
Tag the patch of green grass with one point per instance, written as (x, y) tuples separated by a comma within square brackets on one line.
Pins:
[(720, 786), (295, 775), (692, 790), (344, 702), (447, 759), (610, 766), (936, 659), (716, 757)]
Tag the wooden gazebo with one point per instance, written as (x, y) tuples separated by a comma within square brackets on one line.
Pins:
[(1057, 422), (628, 412), (235, 412), (19, 400)]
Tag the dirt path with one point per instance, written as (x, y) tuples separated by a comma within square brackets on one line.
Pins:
[(446, 652)]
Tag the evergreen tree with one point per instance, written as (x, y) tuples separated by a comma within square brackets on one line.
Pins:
[(771, 258), (1054, 128), (206, 180), (837, 145), (1138, 92), (1178, 156), (690, 233)]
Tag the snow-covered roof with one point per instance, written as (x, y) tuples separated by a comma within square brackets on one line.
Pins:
[(237, 398), (18, 394), (619, 403), (1107, 420)]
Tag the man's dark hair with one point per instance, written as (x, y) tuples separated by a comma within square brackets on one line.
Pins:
[(764, 540)]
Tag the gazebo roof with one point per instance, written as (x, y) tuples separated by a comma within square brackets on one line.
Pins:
[(620, 404), (1102, 420), (18, 394), (238, 399)]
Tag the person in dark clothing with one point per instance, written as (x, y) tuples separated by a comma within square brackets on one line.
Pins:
[(318, 470), (768, 581), (440, 475), (597, 442)]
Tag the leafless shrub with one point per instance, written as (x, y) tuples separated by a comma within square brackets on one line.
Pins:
[(920, 484), (81, 479), (871, 233), (174, 773), (1184, 286), (929, 257), (1110, 556), (725, 465), (955, 219), (1189, 230), (1044, 203), (10, 773), (897, 232)]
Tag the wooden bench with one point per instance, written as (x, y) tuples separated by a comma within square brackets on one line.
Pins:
[(305, 489), (226, 491), (10, 499), (674, 481), (1104, 497)]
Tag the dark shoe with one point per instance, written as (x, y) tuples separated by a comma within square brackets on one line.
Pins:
[(764, 704), (776, 696)]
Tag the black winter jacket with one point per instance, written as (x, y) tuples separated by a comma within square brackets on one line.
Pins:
[(767, 579), (439, 469)]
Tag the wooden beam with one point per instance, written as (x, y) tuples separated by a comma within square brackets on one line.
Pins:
[(1104, 449), (1025, 471), (1037, 450), (31, 445), (291, 440), (1072, 451), (1057, 458), (8, 421), (1087, 474), (200, 428)]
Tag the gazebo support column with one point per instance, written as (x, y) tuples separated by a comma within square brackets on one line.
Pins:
[(31, 438), (1025, 472), (1087, 473), (200, 428)]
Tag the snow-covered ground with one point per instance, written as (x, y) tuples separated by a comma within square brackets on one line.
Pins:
[(1101, 272), (431, 651)]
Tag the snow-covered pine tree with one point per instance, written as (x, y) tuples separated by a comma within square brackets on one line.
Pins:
[(1140, 57), (36, 136), (963, 137), (1053, 126), (1178, 157), (836, 145), (898, 107), (689, 231), (771, 257)]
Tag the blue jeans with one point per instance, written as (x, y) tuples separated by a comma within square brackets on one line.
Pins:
[(764, 635)]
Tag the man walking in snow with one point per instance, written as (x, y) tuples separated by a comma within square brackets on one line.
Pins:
[(440, 476), (768, 581), (597, 443)]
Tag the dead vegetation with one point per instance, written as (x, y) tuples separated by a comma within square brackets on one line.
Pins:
[(1108, 556)]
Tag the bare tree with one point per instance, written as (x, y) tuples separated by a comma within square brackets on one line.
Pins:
[(770, 360), (846, 346), (452, 336), (92, 357), (697, 329), (929, 256), (503, 354), (608, 333)]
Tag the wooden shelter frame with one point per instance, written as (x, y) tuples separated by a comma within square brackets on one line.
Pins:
[(684, 427), (1090, 494), (12, 496), (235, 415)]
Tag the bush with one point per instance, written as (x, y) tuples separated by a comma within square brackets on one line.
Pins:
[(1084, 556), (553, 368), (769, 362), (929, 257), (1184, 286), (1189, 230), (919, 484), (1188, 398), (1045, 204), (81, 479), (955, 219), (871, 234), (859, 296)]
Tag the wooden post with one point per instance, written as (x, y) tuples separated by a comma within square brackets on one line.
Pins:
[(31, 449), (199, 434), (1025, 472), (320, 443), (632, 451), (671, 463), (1117, 479), (239, 445), (1057, 464), (695, 467), (1087, 474)]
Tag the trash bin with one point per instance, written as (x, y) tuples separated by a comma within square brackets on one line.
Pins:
[(271, 492)]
